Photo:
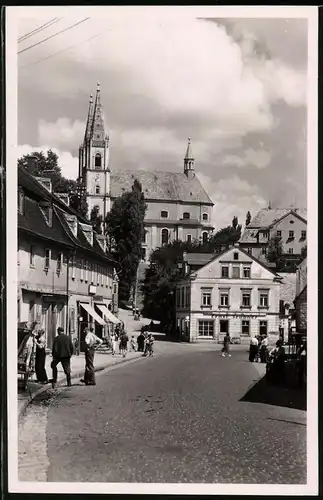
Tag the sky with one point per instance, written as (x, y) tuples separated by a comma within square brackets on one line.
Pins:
[(236, 86)]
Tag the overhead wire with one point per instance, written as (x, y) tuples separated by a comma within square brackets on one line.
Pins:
[(60, 52), (39, 29), (55, 34)]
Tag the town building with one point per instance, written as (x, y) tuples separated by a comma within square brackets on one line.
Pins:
[(178, 207), (301, 298), (286, 306), (288, 224), (233, 292), (65, 275)]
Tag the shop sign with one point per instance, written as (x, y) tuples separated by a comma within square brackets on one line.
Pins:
[(92, 289)]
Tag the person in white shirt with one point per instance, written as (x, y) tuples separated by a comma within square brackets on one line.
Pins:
[(253, 350), (91, 342)]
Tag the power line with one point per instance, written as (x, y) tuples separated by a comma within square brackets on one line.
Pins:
[(38, 30), (59, 52), (52, 36)]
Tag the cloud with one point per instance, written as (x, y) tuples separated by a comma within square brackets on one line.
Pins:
[(249, 158), (63, 133), (67, 162), (232, 197)]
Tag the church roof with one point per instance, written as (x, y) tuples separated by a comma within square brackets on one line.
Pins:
[(189, 154), (161, 186)]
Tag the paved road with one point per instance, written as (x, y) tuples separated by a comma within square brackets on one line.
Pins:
[(176, 417)]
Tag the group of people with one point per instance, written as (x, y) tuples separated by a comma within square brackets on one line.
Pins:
[(145, 342), (258, 350)]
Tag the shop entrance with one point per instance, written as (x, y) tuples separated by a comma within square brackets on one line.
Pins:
[(224, 326)]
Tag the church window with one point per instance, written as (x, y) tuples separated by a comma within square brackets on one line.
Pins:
[(164, 214), (205, 216), (204, 237), (97, 189), (164, 236), (98, 161), (186, 215)]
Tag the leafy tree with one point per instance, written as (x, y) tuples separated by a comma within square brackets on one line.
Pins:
[(248, 218), (40, 165), (235, 222), (275, 249), (125, 230), (96, 219)]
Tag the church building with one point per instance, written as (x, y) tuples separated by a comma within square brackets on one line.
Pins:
[(178, 207)]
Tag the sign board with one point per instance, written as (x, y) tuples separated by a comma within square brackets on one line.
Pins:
[(92, 289)]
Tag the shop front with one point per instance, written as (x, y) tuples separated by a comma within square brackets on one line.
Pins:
[(89, 318)]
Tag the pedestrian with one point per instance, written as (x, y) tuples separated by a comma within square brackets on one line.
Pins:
[(253, 349), (114, 343), (302, 364), (62, 352), (278, 367), (146, 344), (124, 343), (91, 342), (133, 343), (40, 341), (141, 342), (226, 346), (151, 341), (263, 352)]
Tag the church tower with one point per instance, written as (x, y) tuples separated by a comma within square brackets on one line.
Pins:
[(189, 161), (94, 169)]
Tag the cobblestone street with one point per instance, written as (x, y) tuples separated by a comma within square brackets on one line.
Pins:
[(177, 417)]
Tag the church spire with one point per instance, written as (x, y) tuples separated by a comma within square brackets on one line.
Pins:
[(97, 132), (189, 161), (89, 119)]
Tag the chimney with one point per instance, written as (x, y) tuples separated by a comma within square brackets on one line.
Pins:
[(32, 161)]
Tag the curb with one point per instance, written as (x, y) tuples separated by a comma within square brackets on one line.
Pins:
[(62, 382)]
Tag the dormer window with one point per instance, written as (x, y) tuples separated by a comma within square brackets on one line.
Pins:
[(205, 217), (98, 161), (186, 215), (47, 212), (164, 214)]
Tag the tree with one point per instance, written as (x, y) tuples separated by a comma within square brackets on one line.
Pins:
[(275, 251), (96, 219), (125, 230), (40, 165), (248, 218), (235, 222)]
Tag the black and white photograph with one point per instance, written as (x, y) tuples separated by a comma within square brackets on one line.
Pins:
[(161, 229)]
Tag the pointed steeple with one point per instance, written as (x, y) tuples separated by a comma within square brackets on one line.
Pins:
[(97, 132), (189, 161), (89, 119)]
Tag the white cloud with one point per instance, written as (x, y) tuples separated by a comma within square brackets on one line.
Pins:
[(67, 162), (233, 196), (258, 158), (63, 133)]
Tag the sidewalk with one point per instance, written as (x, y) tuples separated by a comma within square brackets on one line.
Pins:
[(101, 361)]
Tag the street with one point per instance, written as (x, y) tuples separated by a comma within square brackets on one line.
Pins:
[(175, 417)]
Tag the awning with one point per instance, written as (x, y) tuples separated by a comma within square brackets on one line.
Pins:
[(92, 313), (108, 315)]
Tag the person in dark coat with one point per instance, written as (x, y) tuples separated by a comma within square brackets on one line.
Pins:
[(40, 369), (141, 342), (62, 352)]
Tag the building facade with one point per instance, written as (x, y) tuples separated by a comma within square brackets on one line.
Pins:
[(233, 293), (65, 276), (290, 225), (178, 208)]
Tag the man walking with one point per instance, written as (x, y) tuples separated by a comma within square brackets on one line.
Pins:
[(62, 352), (226, 345), (91, 342), (124, 343)]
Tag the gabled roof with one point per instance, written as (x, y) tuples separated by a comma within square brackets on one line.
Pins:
[(241, 250), (266, 217), (198, 259), (161, 186)]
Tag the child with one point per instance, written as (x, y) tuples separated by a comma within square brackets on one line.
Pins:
[(133, 343)]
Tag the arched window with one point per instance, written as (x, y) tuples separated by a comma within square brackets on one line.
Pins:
[(164, 236), (205, 216), (97, 189), (204, 237), (98, 161), (186, 215)]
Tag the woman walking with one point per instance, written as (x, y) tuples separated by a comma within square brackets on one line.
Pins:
[(124, 343), (91, 342), (114, 343), (40, 341)]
